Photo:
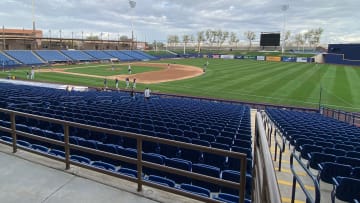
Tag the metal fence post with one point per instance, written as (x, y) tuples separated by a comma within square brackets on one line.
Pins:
[(139, 164), (13, 131), (67, 148)]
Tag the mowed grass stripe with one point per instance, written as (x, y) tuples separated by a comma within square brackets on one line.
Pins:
[(342, 86), (259, 78), (263, 93), (333, 91), (289, 85), (354, 83), (307, 90), (247, 82), (279, 83)]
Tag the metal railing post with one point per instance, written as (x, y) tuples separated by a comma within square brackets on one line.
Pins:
[(242, 180), (13, 131), (139, 164), (67, 148)]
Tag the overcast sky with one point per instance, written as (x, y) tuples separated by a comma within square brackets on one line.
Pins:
[(156, 19)]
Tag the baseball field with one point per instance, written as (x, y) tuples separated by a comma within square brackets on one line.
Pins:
[(297, 84)]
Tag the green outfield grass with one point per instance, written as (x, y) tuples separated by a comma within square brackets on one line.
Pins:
[(295, 84), (106, 70)]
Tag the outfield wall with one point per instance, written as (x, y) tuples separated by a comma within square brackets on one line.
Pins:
[(344, 54), (339, 59), (263, 58)]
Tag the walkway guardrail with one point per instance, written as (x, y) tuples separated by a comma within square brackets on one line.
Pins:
[(138, 161), (297, 179), (265, 187), (348, 117)]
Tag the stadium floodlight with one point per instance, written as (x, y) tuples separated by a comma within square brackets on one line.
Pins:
[(284, 8), (132, 5)]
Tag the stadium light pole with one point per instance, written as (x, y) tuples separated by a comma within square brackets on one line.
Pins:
[(132, 6), (284, 8), (50, 39), (33, 23), (60, 39)]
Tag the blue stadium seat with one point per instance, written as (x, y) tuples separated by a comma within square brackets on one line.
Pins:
[(246, 151), (153, 158), (80, 159), (178, 164), (224, 140), (336, 152), (40, 148), (57, 153), (195, 189), (207, 137), (355, 173), (329, 170), (348, 161), (234, 176), (228, 198), (128, 172), (306, 149), (7, 139), (345, 189), (317, 158), (160, 180), (23, 143), (130, 153), (209, 171), (242, 143), (103, 165), (353, 154)]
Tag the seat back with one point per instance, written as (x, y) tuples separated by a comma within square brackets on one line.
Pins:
[(195, 189), (161, 180), (331, 170), (209, 171), (179, 164), (348, 189), (318, 158)]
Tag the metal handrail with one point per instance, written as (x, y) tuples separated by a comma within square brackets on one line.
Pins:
[(348, 117), (138, 161), (296, 178), (266, 188)]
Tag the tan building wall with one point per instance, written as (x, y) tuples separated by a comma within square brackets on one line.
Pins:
[(20, 39)]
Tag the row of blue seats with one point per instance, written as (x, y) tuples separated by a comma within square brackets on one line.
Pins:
[(95, 141), (167, 133), (172, 179), (48, 56), (155, 125)]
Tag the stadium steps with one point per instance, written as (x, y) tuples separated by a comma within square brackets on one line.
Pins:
[(285, 177), (173, 53), (38, 57)]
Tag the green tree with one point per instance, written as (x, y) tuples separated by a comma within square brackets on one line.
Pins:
[(200, 38), (250, 36)]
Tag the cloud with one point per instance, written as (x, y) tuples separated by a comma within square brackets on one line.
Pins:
[(156, 19)]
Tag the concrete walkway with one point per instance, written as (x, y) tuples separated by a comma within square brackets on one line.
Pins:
[(27, 177), (24, 181)]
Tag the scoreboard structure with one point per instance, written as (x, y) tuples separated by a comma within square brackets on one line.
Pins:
[(270, 39)]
